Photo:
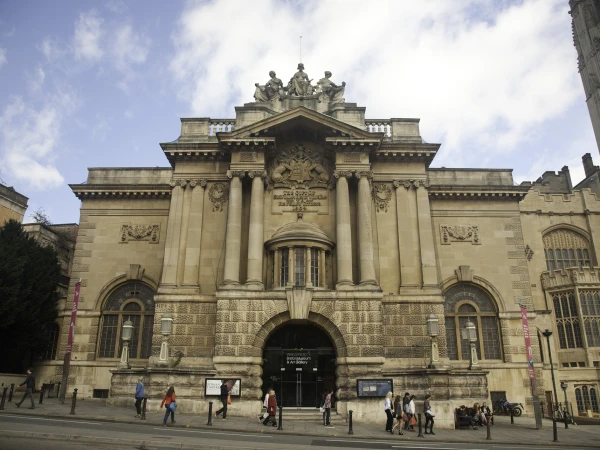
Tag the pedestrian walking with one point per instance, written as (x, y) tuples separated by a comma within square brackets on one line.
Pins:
[(322, 408), (271, 409), (387, 407), (327, 407), (265, 413), (139, 396), (412, 421), (169, 403), (429, 415), (405, 409), (224, 396), (398, 413), (30, 386)]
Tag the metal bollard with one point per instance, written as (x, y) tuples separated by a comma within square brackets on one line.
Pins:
[(58, 389), (144, 409), (210, 413), (42, 394), (3, 397), (489, 432), (420, 426), (10, 394), (73, 402), (279, 425), (554, 430), (512, 417), (350, 430)]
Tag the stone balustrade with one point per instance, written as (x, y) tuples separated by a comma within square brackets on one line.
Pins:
[(220, 126), (379, 126)]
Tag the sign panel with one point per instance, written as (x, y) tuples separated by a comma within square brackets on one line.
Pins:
[(374, 388), (300, 200), (212, 387), (299, 359)]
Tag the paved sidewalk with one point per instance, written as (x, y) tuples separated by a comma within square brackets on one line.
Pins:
[(523, 432)]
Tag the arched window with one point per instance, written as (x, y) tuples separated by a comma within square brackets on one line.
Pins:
[(590, 308), (586, 398), (53, 334), (466, 301), (565, 248), (579, 400), (133, 301), (594, 399), (567, 320)]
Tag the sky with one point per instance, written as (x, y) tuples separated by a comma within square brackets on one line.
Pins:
[(101, 83)]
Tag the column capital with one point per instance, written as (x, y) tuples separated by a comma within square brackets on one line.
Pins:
[(342, 173), (405, 183), (421, 183), (178, 182), (257, 173), (236, 173), (198, 182), (364, 173)]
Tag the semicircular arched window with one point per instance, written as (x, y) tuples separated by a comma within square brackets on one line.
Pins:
[(466, 301), (565, 248), (133, 301)]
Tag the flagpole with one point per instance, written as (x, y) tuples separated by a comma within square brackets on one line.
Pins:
[(67, 359)]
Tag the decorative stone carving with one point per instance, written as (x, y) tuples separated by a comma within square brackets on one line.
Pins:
[(300, 166), (464, 273), (460, 233), (135, 272), (299, 300), (218, 195), (421, 183), (352, 157), (327, 89), (140, 233), (381, 196), (528, 253), (247, 156), (342, 173), (299, 85), (405, 183), (271, 90)]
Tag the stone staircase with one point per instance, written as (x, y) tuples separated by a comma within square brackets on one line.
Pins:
[(311, 415)]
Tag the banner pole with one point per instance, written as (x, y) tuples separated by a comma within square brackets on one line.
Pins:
[(67, 359)]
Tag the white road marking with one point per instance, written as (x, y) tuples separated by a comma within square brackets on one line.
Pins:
[(51, 420), (260, 436)]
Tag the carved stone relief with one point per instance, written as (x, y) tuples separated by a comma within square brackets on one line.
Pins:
[(460, 233), (381, 196), (149, 233), (299, 166), (218, 195), (352, 158), (247, 156)]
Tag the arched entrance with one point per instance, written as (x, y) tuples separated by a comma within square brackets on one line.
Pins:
[(299, 363)]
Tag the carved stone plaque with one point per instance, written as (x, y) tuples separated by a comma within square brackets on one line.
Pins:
[(300, 200), (140, 233), (459, 233)]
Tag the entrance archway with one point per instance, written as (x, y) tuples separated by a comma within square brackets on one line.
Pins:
[(299, 363)]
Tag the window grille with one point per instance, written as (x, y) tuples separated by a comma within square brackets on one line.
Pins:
[(567, 320), (565, 248)]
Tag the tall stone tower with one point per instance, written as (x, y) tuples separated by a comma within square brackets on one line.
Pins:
[(586, 36)]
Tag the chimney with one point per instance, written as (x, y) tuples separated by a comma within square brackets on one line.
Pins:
[(567, 174), (588, 165)]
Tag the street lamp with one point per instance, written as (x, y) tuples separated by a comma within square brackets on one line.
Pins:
[(547, 333), (469, 333), (564, 385), (433, 330), (166, 326), (126, 333)]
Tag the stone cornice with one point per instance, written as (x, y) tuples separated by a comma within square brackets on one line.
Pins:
[(86, 191), (440, 192), (406, 151), (190, 151)]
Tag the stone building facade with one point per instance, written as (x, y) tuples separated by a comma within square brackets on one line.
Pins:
[(303, 246), (12, 204)]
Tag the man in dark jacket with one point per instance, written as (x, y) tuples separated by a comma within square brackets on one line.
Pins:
[(30, 385), (223, 397)]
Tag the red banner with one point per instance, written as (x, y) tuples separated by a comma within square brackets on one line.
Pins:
[(527, 342), (73, 317)]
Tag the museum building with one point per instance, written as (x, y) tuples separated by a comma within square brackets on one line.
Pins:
[(303, 247)]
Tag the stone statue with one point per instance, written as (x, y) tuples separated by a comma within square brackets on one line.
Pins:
[(299, 84), (273, 89), (327, 88)]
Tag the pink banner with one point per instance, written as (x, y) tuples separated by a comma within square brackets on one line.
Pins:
[(527, 342), (73, 317)]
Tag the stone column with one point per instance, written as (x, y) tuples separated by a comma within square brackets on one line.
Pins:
[(307, 273), (410, 273), (183, 234), (365, 233), (291, 265), (255, 234), (343, 234), (322, 270), (276, 268), (428, 263), (191, 274), (169, 275), (233, 236)]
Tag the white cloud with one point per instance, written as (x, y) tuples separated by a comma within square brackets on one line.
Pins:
[(52, 49), (30, 139), (2, 57), (129, 48), (116, 6), (480, 74), (36, 80), (88, 32)]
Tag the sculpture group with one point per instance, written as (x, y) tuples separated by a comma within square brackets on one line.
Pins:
[(300, 86)]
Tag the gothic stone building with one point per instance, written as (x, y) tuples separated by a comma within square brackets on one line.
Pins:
[(302, 246)]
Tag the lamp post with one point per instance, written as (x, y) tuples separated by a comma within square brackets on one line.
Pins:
[(166, 326), (432, 331), (547, 333), (126, 333), (469, 333), (564, 385)]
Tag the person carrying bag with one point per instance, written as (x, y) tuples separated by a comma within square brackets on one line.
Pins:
[(168, 402)]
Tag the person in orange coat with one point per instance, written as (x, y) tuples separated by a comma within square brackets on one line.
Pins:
[(271, 409), (167, 400)]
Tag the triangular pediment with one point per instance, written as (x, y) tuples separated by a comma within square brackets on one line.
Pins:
[(300, 116)]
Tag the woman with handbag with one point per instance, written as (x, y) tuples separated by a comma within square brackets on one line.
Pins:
[(429, 415), (412, 421), (169, 402), (387, 407), (398, 414), (271, 409)]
